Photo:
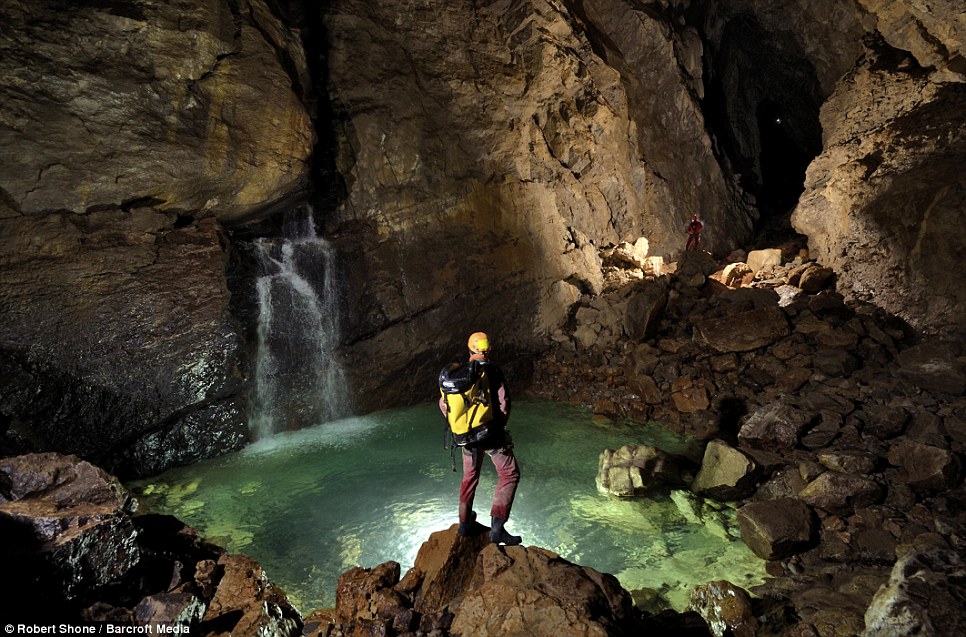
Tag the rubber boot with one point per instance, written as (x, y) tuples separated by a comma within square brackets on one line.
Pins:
[(466, 527), (498, 534)]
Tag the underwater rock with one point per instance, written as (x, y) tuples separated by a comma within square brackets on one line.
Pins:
[(635, 470), (841, 493)]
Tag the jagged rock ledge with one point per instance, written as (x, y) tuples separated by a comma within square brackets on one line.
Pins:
[(74, 540)]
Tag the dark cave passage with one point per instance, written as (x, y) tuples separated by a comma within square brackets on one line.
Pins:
[(761, 103)]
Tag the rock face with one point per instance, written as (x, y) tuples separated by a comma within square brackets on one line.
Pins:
[(488, 177), (112, 361), (121, 127), (189, 108), (893, 145)]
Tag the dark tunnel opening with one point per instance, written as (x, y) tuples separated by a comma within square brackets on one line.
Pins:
[(761, 105), (783, 161)]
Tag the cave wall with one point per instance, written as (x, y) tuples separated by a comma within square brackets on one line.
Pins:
[(884, 201), (490, 152), (131, 132), (484, 156)]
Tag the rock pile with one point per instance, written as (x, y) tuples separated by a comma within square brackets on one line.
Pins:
[(73, 546), (839, 435)]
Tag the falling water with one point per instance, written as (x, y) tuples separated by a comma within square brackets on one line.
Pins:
[(299, 380)]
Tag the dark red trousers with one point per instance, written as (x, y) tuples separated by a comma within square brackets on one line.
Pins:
[(508, 475)]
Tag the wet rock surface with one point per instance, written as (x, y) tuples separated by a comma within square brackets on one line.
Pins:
[(73, 541), (102, 355)]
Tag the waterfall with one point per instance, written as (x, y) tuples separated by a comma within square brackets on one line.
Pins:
[(298, 380)]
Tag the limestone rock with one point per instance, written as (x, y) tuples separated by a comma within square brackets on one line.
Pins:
[(493, 154), (67, 525), (815, 278), (468, 586), (742, 332), (103, 355), (934, 367), (734, 274), (925, 466), (531, 591), (726, 473), (934, 32), (72, 540), (923, 595), (190, 107), (774, 426), (444, 566), (760, 260), (170, 608), (637, 469), (776, 529), (690, 395), (247, 603), (841, 493), (876, 156), (855, 462), (644, 310), (726, 609)]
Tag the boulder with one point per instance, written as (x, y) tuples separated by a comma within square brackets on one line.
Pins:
[(776, 529), (644, 310), (726, 473), (759, 260), (734, 274), (690, 395), (743, 331), (635, 470), (468, 586), (71, 541), (815, 278), (924, 594), (776, 426), (841, 493), (853, 461), (726, 608), (924, 466), (248, 604), (444, 567), (934, 368), (533, 592), (66, 523)]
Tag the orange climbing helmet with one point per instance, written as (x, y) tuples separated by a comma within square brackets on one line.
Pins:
[(479, 343)]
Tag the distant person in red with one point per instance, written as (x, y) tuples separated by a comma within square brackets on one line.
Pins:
[(694, 234)]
